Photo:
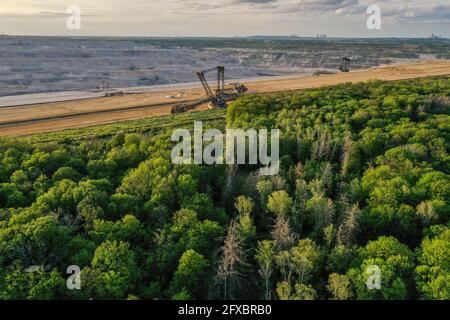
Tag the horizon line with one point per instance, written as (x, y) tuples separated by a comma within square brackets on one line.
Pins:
[(430, 37)]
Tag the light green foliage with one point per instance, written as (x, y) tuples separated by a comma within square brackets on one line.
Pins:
[(396, 263), (265, 188), (339, 287), (305, 258), (246, 228), (115, 269), (300, 292), (127, 229), (280, 203), (141, 181), (265, 258), (190, 275), (33, 283), (66, 173), (433, 272)]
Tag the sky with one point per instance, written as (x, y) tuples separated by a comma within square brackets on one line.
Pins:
[(174, 18)]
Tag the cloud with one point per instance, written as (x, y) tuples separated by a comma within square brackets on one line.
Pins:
[(41, 15), (406, 11), (328, 4), (255, 1), (35, 15), (419, 14), (52, 14), (307, 7), (231, 16)]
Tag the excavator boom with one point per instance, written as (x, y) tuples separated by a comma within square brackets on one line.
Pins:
[(204, 82), (220, 80)]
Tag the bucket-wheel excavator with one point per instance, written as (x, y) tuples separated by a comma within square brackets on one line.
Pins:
[(345, 66), (217, 98)]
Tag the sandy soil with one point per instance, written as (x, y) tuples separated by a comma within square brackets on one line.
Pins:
[(21, 113), (81, 113), (408, 71)]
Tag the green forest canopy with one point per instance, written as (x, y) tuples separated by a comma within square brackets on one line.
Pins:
[(364, 181)]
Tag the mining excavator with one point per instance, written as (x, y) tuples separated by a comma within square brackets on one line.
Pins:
[(344, 67), (217, 98)]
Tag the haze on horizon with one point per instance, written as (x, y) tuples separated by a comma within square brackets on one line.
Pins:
[(336, 18)]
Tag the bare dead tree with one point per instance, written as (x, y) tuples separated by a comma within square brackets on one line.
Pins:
[(281, 233), (232, 257), (348, 227), (426, 212), (299, 171), (70, 220), (321, 146), (346, 154), (327, 178), (265, 257)]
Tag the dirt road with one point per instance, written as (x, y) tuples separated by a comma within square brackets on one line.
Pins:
[(30, 119)]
